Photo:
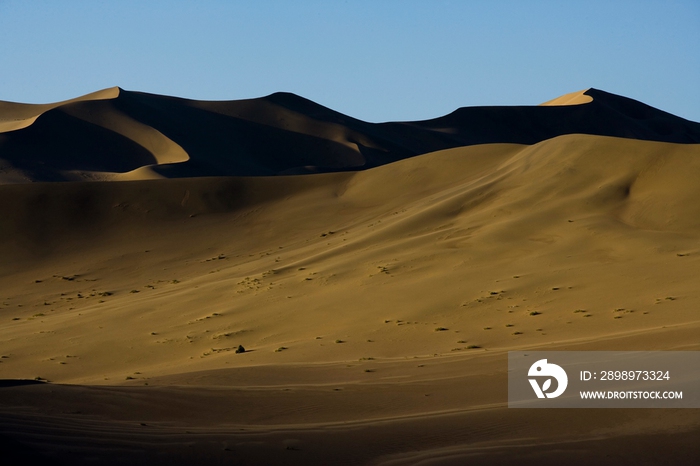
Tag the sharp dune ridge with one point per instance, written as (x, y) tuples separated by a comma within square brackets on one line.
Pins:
[(15, 116), (119, 135), (376, 275)]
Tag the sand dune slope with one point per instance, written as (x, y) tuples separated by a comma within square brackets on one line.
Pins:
[(377, 306), (117, 134), (573, 98), (14, 116)]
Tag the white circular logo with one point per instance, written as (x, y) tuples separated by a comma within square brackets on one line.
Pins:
[(543, 369)]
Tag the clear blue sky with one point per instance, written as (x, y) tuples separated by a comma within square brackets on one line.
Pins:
[(375, 60)]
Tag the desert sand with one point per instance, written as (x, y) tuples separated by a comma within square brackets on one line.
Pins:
[(376, 274), (573, 98)]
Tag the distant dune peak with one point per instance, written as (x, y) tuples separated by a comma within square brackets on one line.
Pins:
[(572, 98), (104, 94), (299, 104), (15, 116)]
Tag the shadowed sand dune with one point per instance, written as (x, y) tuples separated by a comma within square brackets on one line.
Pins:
[(377, 307), (117, 134)]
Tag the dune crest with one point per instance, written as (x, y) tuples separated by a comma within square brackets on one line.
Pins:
[(573, 98), (15, 116)]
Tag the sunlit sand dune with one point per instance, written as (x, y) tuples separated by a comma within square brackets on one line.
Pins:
[(376, 307), (574, 98), (15, 116)]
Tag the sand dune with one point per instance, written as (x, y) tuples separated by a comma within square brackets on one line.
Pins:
[(377, 306), (573, 98), (107, 135), (15, 116)]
